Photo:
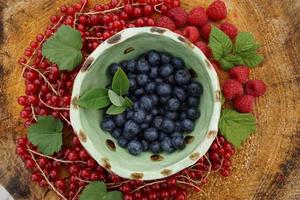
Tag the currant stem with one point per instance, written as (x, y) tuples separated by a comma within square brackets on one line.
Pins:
[(33, 114), (148, 184), (79, 190), (86, 181), (210, 165), (65, 118), (42, 75), (114, 185), (111, 10), (156, 9), (54, 108), (52, 158), (189, 184), (93, 38), (44, 175)]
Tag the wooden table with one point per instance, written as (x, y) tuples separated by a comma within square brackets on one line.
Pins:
[(268, 164)]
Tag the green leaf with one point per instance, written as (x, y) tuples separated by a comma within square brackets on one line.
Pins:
[(96, 98), (46, 134), (64, 48), (220, 43), (120, 82), (115, 110), (114, 195), (115, 99), (228, 61), (127, 102), (244, 41), (251, 59), (94, 191), (236, 127)]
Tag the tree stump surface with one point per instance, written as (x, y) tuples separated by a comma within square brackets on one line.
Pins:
[(268, 164)]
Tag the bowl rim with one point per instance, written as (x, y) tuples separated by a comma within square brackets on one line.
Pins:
[(171, 169)]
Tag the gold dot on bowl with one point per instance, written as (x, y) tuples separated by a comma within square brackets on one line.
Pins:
[(128, 50), (158, 30), (74, 102), (218, 96), (114, 39), (111, 145), (189, 139), (156, 157), (166, 172), (195, 156), (136, 175), (182, 39), (82, 136), (106, 163), (208, 64), (193, 73), (212, 134), (86, 64)]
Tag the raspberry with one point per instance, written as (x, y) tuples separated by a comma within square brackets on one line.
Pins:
[(229, 29), (244, 104), (204, 48), (178, 15), (217, 10), (192, 33), (166, 22), (197, 17), (231, 89), (239, 73), (255, 88), (179, 32), (205, 31)]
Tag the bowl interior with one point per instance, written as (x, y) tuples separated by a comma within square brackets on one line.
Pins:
[(97, 77)]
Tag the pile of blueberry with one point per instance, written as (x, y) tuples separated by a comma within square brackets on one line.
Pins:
[(166, 100)]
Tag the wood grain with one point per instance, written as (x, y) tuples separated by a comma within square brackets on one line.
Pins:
[(268, 164)]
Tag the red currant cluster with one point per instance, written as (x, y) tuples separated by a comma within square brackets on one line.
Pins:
[(48, 92)]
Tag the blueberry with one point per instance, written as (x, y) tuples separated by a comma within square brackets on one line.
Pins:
[(131, 129), (166, 145), (146, 103), (131, 75), (122, 141), (178, 142), (150, 134), (116, 133), (165, 58), (155, 147), (187, 125), (129, 114), (142, 79), (153, 72), (139, 92), (171, 115), (164, 89), (178, 126), (176, 134), (195, 89), (148, 118), (139, 116), (120, 119), (161, 136), (168, 125), (173, 104), (132, 83), (150, 87), (154, 112), (135, 106), (170, 79), (131, 65), (179, 93), (145, 145), (154, 99), (164, 100), (153, 57), (182, 116), (108, 124), (124, 65), (158, 80), (144, 125), (193, 101), (193, 113), (157, 122), (113, 68), (142, 66), (135, 147), (165, 70), (177, 63), (182, 77)]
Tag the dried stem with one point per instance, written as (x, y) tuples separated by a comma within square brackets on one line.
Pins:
[(148, 184), (56, 159), (54, 108), (33, 114), (42, 75), (44, 175), (65, 118)]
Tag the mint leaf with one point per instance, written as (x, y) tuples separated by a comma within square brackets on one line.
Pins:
[(220, 43), (114, 195), (127, 102), (120, 82), (64, 48), (94, 191), (236, 127), (115, 110), (96, 98), (115, 99), (46, 134)]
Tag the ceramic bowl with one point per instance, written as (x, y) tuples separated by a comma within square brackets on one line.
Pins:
[(102, 147)]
